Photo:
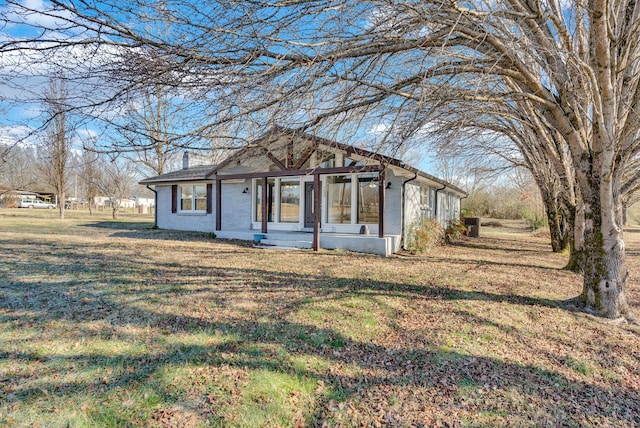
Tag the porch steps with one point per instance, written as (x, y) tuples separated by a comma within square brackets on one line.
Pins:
[(285, 243)]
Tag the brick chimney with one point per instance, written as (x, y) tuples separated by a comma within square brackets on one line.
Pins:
[(185, 160)]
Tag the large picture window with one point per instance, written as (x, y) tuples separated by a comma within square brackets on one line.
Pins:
[(290, 201), (368, 198), (339, 199), (193, 198)]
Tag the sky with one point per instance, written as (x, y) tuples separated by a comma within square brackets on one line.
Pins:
[(21, 87)]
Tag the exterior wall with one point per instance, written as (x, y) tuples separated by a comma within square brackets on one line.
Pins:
[(411, 206), (393, 205), (446, 210), (237, 198), (442, 207), (236, 205), (200, 222)]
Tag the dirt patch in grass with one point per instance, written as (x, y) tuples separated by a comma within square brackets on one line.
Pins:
[(116, 324)]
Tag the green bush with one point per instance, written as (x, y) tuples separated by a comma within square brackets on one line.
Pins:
[(423, 235), (533, 219)]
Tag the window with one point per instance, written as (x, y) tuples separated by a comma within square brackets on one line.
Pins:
[(339, 199), (368, 198), (271, 184), (193, 198), (354, 162), (326, 159), (289, 201), (425, 202), (424, 197), (186, 198)]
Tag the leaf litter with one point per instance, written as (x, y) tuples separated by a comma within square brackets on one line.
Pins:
[(129, 326)]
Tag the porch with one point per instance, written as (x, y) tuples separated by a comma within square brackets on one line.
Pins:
[(372, 244)]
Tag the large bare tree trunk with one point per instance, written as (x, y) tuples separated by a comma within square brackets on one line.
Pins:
[(576, 251), (560, 227), (604, 267)]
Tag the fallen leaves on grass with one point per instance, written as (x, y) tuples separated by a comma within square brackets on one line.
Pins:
[(125, 326)]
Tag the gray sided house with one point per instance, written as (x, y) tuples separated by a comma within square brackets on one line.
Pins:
[(290, 188)]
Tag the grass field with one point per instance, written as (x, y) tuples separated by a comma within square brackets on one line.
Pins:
[(110, 323)]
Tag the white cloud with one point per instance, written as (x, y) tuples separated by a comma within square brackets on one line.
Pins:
[(17, 134), (379, 129), (34, 13)]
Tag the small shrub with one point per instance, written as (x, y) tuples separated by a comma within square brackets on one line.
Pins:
[(467, 213), (455, 231), (211, 235), (533, 219), (423, 235)]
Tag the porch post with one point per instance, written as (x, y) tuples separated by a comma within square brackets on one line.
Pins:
[(381, 201), (218, 204), (316, 212), (264, 204)]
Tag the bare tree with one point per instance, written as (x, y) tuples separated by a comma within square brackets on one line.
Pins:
[(149, 133), (56, 148), (17, 169), (89, 173), (115, 180)]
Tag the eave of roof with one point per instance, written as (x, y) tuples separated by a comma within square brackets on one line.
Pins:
[(194, 173)]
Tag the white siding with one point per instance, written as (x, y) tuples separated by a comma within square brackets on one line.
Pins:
[(236, 205), (182, 221), (393, 206), (412, 203)]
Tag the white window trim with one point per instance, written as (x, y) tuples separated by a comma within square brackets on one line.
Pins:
[(354, 204), (276, 202), (193, 199)]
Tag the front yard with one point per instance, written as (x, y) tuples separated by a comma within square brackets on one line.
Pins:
[(110, 323)]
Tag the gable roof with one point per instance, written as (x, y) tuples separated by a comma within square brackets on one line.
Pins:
[(257, 148)]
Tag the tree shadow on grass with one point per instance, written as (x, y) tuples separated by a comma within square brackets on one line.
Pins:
[(431, 377), (407, 383), (120, 225)]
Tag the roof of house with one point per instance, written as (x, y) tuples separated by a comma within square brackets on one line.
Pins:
[(199, 172), (207, 172)]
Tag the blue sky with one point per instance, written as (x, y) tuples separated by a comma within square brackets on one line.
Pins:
[(21, 87)]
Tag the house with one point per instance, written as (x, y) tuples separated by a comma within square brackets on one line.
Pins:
[(295, 189)]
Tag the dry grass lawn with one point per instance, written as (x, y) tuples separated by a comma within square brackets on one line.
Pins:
[(110, 323)]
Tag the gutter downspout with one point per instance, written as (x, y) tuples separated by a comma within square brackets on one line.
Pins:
[(435, 210), (460, 200), (404, 207), (155, 208)]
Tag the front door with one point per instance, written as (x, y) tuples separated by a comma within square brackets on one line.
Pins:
[(309, 195)]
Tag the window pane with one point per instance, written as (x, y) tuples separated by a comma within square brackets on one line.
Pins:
[(290, 201), (368, 201), (186, 198), (271, 183), (259, 201), (425, 202), (271, 190), (326, 159), (200, 197), (339, 199)]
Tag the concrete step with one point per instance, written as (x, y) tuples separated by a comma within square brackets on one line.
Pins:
[(286, 243)]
